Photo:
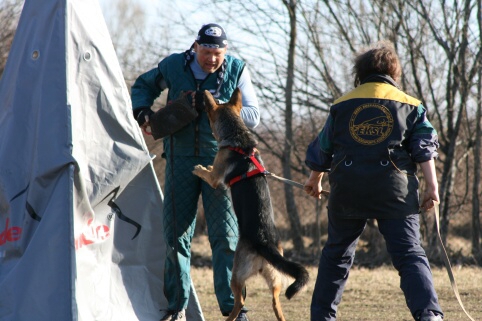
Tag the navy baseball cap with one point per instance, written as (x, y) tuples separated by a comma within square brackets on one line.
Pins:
[(212, 35)]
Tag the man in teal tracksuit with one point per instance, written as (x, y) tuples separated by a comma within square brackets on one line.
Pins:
[(204, 67)]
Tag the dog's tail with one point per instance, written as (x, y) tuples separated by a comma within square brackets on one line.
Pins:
[(285, 266)]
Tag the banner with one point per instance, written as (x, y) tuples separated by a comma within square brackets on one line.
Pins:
[(80, 205)]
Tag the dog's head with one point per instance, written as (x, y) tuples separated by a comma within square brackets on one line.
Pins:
[(230, 110)]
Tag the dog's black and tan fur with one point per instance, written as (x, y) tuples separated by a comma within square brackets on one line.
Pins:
[(259, 248)]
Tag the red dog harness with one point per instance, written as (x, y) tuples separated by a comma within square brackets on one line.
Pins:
[(259, 168)]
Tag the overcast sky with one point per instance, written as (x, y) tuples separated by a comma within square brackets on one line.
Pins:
[(153, 7)]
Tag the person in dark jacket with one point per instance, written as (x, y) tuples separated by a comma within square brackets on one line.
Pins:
[(205, 66), (370, 146)]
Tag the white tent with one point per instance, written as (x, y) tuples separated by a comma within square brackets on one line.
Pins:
[(80, 205)]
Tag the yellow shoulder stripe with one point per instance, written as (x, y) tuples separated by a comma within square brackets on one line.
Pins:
[(379, 91)]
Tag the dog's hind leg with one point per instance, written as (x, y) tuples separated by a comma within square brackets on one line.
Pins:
[(246, 264), (274, 280), (237, 288)]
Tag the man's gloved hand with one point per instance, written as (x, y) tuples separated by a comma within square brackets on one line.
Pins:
[(199, 101), (141, 116), (174, 116)]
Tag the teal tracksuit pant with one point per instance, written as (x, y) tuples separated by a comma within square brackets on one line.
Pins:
[(182, 190)]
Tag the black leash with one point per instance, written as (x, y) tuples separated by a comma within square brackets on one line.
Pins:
[(174, 223)]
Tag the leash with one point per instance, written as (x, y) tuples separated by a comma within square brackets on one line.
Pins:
[(175, 234), (261, 170), (447, 262), (292, 183)]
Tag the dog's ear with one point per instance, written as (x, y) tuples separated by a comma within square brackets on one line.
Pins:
[(236, 100), (209, 101)]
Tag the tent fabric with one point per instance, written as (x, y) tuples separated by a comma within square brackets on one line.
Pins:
[(80, 204)]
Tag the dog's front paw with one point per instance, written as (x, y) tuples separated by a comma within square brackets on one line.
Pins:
[(199, 167), (198, 170)]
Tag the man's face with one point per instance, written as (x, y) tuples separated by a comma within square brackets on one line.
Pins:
[(210, 59)]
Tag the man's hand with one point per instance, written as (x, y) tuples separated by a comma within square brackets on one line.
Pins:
[(198, 100), (430, 196), (313, 184), (143, 116), (143, 119)]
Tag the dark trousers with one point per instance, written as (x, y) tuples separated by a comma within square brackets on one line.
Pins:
[(402, 238)]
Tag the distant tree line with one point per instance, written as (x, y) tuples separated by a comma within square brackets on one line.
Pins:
[(300, 55)]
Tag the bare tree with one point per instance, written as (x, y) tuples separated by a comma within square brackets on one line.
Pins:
[(299, 55), (476, 250), (446, 83), (9, 15), (140, 46), (477, 170), (289, 141)]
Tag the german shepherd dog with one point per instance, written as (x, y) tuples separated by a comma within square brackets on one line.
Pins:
[(239, 165)]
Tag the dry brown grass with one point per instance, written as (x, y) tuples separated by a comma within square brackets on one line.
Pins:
[(371, 294)]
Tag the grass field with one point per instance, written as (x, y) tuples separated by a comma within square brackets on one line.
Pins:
[(370, 295)]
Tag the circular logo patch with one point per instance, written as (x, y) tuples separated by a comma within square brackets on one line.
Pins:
[(214, 32), (371, 124)]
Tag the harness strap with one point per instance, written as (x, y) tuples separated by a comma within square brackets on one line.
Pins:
[(258, 170)]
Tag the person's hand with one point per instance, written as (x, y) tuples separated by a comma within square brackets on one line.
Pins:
[(143, 118), (312, 186), (430, 196), (198, 100)]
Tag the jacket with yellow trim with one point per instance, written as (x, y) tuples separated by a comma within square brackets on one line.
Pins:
[(370, 144)]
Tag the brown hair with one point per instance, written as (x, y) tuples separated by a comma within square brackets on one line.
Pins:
[(379, 59)]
